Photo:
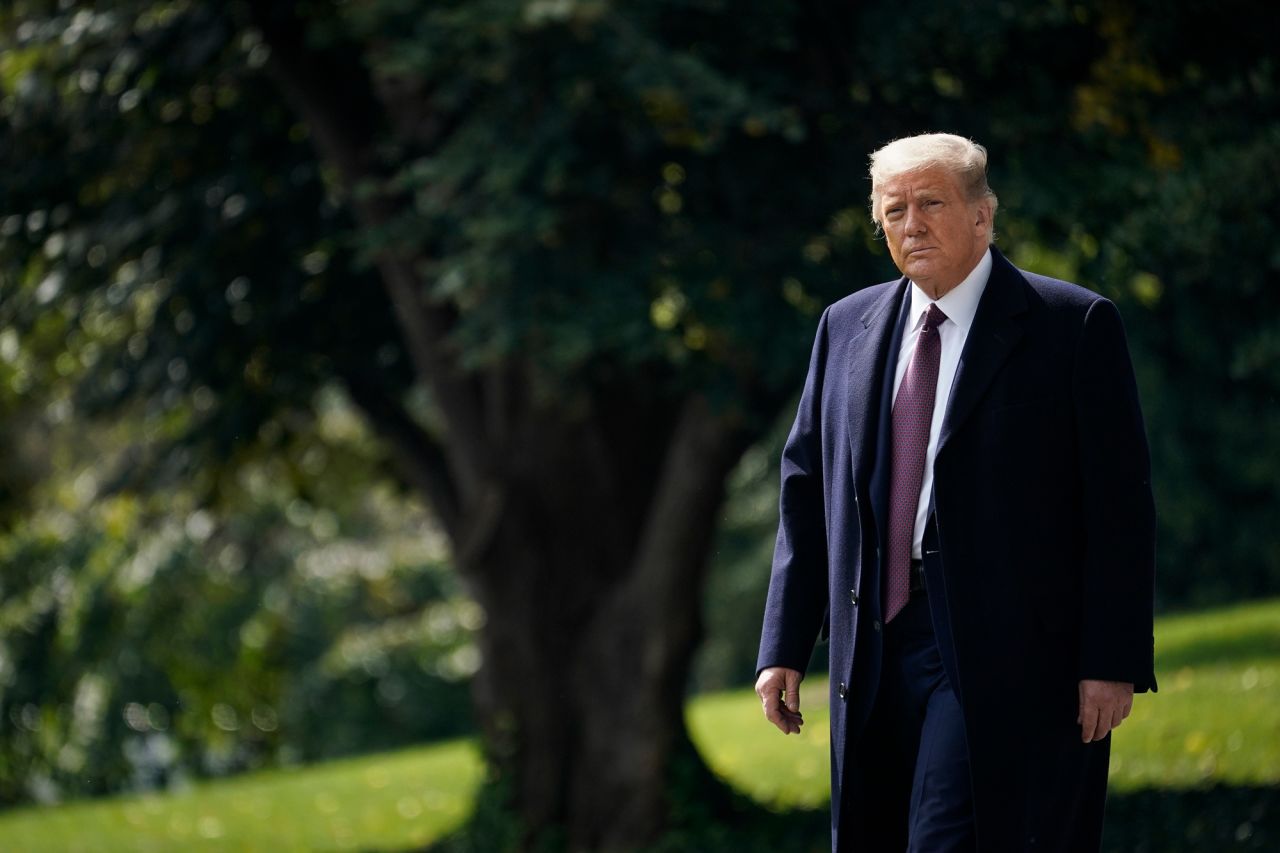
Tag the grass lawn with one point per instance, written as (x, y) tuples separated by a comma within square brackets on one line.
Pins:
[(1215, 722), (1216, 719), (381, 802)]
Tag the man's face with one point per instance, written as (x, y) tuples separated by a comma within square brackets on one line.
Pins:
[(936, 236)]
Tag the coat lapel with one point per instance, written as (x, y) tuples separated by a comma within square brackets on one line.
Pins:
[(868, 357), (997, 328)]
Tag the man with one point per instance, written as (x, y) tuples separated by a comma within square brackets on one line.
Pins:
[(966, 510)]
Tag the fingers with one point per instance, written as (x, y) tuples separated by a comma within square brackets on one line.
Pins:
[(1117, 717), (1121, 713), (1104, 705), (768, 687), (791, 691), (776, 713), (1094, 723), (1102, 725), (784, 720), (779, 692), (1088, 721)]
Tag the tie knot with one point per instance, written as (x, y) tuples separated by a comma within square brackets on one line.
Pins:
[(934, 318)]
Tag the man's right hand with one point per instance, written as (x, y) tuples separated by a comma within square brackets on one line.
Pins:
[(779, 691)]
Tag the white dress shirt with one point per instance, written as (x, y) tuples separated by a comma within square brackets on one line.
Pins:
[(960, 304)]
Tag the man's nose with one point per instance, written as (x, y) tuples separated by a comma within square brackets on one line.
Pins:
[(914, 223)]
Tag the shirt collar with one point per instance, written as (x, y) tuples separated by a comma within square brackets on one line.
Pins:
[(960, 303)]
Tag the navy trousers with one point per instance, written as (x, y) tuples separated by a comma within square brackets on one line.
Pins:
[(913, 761)]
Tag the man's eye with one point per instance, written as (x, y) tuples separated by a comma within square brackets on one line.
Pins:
[(893, 211), (933, 202)]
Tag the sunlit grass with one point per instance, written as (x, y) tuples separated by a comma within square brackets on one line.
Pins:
[(384, 802), (1215, 720), (778, 770), (1217, 715)]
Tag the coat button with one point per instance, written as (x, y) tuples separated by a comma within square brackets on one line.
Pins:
[(853, 597), (876, 625), (842, 690)]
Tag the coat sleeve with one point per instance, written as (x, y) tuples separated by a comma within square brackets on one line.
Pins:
[(797, 598), (1116, 640)]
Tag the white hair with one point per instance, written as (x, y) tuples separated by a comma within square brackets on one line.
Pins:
[(964, 158)]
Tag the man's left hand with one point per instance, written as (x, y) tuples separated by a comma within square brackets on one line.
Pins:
[(1103, 706)]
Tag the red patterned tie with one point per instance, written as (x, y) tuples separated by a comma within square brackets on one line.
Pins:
[(912, 419)]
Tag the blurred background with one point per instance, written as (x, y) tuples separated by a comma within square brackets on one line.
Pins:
[(367, 368)]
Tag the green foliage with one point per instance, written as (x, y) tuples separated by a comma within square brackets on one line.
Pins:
[(1198, 277), (739, 577), (587, 223), (168, 240), (1173, 218), (147, 640)]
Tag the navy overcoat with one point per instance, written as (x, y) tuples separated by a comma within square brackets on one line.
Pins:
[(1039, 560)]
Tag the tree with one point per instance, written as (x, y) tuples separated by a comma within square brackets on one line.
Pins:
[(567, 305), (565, 258)]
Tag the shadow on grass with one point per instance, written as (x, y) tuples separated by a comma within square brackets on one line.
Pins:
[(1153, 820), (1256, 646), (707, 816), (1164, 820)]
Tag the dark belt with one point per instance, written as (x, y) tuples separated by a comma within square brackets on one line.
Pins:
[(917, 576)]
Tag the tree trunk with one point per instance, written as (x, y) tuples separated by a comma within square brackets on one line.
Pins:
[(583, 527), (593, 616)]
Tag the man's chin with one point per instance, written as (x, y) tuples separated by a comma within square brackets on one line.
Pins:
[(920, 272)]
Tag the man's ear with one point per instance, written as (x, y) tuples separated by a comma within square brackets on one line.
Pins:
[(982, 220)]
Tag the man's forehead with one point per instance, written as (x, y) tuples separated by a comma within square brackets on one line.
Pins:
[(933, 179)]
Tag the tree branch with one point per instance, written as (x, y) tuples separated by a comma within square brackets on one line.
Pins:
[(421, 460), (331, 91)]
